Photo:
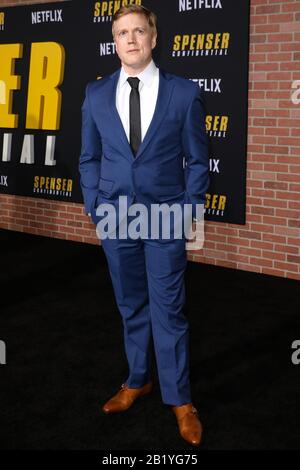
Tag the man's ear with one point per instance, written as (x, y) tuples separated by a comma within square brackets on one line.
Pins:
[(153, 40)]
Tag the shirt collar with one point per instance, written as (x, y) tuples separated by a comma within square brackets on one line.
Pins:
[(146, 76)]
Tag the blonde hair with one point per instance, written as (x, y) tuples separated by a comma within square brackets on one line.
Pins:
[(126, 9)]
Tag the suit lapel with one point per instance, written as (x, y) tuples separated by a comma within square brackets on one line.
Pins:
[(165, 90), (117, 125)]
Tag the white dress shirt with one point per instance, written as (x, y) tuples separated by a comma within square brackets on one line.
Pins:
[(148, 89)]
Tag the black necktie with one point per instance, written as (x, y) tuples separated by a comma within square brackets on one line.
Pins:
[(134, 114)]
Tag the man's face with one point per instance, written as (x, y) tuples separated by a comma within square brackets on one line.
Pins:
[(134, 41)]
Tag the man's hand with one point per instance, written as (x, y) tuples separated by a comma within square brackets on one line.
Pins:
[(196, 236)]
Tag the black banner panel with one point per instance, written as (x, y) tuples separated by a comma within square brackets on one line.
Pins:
[(48, 54)]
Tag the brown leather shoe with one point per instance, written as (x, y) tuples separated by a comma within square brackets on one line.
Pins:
[(125, 398), (189, 424)]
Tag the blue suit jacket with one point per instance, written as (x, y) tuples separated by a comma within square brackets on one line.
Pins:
[(156, 174)]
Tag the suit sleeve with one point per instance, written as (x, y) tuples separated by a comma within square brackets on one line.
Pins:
[(90, 156), (195, 147)]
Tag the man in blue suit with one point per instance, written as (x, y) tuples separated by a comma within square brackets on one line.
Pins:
[(138, 126)]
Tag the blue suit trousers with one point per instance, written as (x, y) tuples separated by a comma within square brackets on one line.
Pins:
[(148, 278)]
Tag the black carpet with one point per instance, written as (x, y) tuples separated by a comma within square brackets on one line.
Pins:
[(65, 357)]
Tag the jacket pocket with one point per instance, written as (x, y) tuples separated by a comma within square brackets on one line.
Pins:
[(106, 186)]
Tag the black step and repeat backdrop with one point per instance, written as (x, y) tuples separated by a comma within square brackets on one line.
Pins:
[(48, 53)]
